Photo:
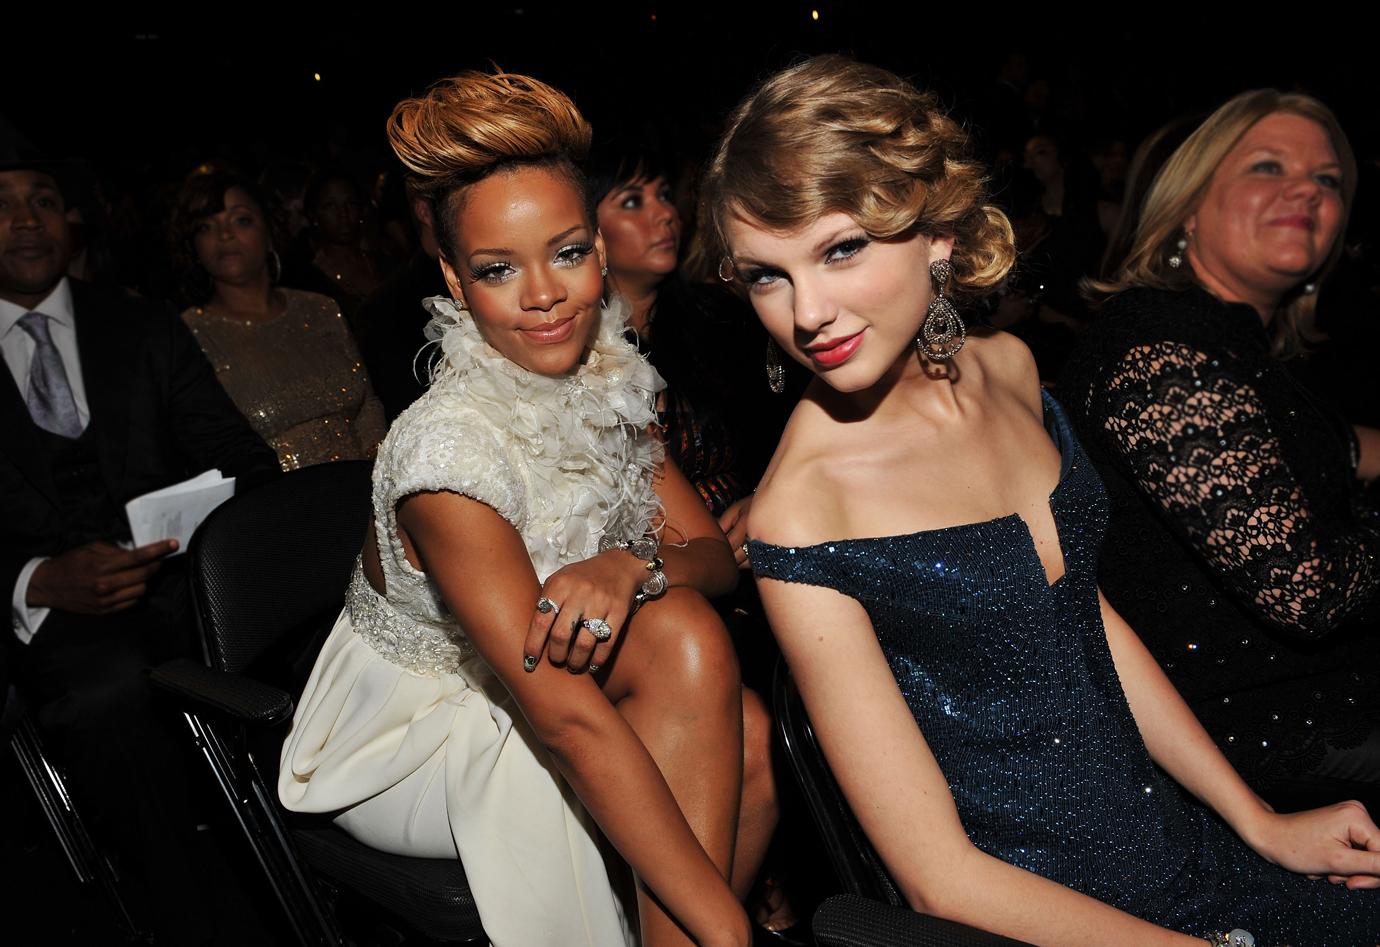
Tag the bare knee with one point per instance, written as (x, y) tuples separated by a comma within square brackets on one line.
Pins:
[(690, 647)]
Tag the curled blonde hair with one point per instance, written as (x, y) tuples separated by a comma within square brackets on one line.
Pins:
[(833, 135), (469, 126), (1179, 188)]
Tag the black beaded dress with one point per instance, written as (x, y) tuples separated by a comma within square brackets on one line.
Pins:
[(1239, 546), (1012, 683)]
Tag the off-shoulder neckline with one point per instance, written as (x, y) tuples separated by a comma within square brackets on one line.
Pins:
[(1056, 424)]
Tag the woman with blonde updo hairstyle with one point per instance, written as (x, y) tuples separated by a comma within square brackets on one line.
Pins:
[(527, 669), (925, 543)]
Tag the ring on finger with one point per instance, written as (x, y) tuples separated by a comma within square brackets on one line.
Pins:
[(593, 668), (546, 606), (600, 629)]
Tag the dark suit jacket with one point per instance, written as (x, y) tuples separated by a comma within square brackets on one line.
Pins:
[(157, 411)]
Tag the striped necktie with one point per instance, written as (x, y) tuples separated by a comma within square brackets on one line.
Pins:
[(49, 397)]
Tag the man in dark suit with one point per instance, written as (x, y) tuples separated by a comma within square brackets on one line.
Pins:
[(105, 397)]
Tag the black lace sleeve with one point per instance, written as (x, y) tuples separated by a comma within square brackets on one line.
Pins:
[(1197, 439)]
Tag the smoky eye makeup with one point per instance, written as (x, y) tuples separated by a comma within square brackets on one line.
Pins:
[(846, 249)]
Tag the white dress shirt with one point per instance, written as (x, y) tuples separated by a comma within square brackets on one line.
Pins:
[(18, 347)]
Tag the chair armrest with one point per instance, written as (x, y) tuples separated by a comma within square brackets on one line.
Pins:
[(241, 697), (847, 920)]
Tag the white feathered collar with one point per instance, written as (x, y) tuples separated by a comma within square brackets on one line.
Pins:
[(587, 437)]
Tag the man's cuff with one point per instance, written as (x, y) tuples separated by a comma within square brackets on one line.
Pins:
[(26, 618)]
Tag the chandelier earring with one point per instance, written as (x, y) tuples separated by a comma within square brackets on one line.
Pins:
[(943, 333), (1176, 259), (776, 372)]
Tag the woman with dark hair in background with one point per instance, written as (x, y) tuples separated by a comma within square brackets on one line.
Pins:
[(285, 356), (719, 416), (1240, 546)]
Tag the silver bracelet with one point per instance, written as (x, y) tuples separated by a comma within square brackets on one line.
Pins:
[(1233, 938), (646, 549)]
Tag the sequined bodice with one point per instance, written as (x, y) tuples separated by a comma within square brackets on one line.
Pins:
[(297, 378), (1011, 680)]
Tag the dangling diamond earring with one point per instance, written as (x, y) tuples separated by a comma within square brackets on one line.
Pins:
[(1176, 259), (1309, 288), (603, 271), (776, 373), (943, 333)]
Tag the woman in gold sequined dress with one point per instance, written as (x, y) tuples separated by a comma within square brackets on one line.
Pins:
[(286, 357)]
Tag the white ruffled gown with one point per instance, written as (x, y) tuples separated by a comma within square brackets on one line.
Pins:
[(402, 725)]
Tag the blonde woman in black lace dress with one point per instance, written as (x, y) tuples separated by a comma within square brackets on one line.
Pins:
[(1240, 548)]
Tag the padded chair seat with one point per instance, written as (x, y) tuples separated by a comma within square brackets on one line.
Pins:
[(430, 893), (847, 920)]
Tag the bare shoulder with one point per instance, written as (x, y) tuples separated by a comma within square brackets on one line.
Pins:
[(795, 504), (1007, 366)]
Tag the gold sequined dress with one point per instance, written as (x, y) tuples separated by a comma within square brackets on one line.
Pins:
[(297, 378)]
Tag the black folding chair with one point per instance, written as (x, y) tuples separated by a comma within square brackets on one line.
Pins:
[(872, 913), (45, 779), (269, 571)]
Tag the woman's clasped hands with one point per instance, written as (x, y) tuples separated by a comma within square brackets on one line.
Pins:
[(582, 610)]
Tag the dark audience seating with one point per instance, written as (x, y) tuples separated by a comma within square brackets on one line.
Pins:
[(45, 779), (269, 571)]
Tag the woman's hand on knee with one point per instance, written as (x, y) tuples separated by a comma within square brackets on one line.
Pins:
[(582, 610)]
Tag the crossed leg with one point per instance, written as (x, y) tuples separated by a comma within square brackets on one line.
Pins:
[(675, 680)]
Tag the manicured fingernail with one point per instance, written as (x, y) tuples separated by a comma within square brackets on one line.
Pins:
[(529, 663)]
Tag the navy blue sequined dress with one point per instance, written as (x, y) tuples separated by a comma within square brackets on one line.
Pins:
[(1012, 682)]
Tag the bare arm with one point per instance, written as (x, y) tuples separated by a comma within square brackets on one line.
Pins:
[(694, 554), (895, 786), (1316, 842), (485, 575), (705, 562)]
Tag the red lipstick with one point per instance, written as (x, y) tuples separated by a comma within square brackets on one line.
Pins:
[(835, 352)]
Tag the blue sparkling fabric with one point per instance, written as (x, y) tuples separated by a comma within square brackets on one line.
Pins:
[(1011, 681)]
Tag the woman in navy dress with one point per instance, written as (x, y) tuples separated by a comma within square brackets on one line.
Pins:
[(926, 544)]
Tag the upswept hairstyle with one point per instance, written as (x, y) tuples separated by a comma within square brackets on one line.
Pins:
[(833, 135), (471, 125), (1179, 188)]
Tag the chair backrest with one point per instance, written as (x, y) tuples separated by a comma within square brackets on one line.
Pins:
[(856, 862), (272, 565)]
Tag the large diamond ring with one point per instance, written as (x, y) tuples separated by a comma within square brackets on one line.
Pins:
[(597, 627), (546, 606)]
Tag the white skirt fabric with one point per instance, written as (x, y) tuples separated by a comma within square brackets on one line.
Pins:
[(435, 767)]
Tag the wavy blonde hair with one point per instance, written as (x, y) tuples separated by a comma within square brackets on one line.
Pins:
[(833, 135), (1179, 187), (470, 126)]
